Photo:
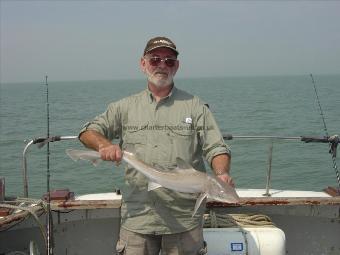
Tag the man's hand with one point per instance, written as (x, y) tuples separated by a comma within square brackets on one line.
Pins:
[(96, 141), (110, 152), (227, 179)]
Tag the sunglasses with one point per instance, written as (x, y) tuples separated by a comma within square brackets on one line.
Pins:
[(156, 61)]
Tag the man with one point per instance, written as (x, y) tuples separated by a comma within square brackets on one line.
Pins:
[(160, 123)]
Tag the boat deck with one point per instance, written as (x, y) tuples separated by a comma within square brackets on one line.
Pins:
[(310, 221)]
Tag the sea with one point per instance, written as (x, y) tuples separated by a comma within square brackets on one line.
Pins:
[(284, 106)]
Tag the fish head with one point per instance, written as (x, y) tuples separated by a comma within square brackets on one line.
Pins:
[(220, 191)]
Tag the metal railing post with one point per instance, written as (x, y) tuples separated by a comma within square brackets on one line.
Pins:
[(269, 170)]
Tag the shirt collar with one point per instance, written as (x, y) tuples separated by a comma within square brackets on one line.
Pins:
[(170, 95)]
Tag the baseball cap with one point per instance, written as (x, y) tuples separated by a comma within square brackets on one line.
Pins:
[(160, 42)]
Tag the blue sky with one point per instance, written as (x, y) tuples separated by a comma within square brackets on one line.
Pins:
[(104, 40)]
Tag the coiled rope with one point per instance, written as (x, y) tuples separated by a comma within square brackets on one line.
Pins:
[(32, 206), (218, 220)]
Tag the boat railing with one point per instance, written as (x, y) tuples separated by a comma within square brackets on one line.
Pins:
[(333, 142), (40, 142)]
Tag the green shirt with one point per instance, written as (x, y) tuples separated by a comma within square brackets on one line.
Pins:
[(180, 125)]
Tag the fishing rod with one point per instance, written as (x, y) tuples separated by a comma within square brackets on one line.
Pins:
[(332, 145), (307, 139), (48, 175)]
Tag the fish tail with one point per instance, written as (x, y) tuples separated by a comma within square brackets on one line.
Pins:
[(73, 154)]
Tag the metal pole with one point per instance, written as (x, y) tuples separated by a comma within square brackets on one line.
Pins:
[(25, 168), (269, 171), (39, 141), (230, 137), (49, 220)]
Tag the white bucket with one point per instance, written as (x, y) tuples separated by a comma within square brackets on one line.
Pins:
[(245, 241)]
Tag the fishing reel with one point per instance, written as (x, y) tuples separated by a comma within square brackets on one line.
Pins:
[(333, 144)]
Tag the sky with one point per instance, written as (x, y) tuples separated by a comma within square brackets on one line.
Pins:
[(104, 40)]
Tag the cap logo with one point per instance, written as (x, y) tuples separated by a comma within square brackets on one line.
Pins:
[(162, 41)]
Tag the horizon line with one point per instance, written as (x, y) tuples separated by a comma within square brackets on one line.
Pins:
[(178, 78)]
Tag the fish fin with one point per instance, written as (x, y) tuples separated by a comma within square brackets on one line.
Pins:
[(153, 186), (95, 162), (182, 164), (183, 171), (199, 202), (130, 148)]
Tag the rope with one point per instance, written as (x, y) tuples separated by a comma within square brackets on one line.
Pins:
[(25, 199), (216, 220), (32, 211)]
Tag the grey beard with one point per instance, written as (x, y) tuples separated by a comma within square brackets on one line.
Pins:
[(159, 82)]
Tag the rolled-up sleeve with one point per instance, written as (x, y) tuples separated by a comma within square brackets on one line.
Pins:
[(210, 136), (108, 123)]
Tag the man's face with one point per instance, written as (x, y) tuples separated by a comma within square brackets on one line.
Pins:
[(160, 66)]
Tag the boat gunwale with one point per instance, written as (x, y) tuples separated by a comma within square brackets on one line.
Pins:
[(244, 201)]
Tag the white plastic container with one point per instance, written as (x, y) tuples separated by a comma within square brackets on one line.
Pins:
[(245, 241)]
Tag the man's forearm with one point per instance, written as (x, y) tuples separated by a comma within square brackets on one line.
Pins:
[(221, 164), (94, 140), (221, 167)]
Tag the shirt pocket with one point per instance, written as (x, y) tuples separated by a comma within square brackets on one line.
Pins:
[(135, 138), (183, 131), (183, 140), (135, 141)]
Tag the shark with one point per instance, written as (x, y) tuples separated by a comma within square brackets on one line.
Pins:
[(184, 178)]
